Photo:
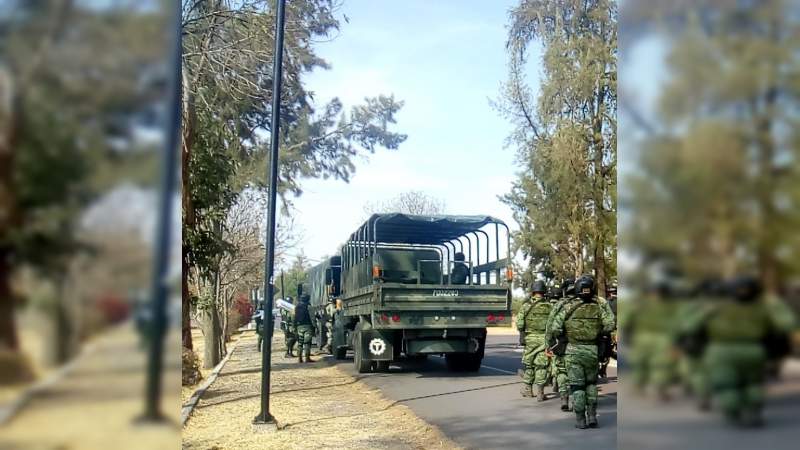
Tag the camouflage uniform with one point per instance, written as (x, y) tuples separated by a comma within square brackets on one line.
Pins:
[(532, 320), (304, 324), (289, 331), (330, 310), (652, 352), (558, 367), (583, 320), (735, 356)]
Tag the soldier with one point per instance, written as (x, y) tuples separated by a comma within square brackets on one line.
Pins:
[(735, 355), (305, 329), (555, 349), (259, 316), (289, 332), (652, 353), (330, 310), (532, 320), (581, 321)]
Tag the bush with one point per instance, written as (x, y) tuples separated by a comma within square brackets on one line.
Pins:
[(14, 368), (113, 308), (190, 368)]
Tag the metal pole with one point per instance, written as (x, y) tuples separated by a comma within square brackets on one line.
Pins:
[(160, 282), (283, 291), (269, 264)]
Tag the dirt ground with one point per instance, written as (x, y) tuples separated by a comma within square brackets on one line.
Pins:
[(198, 343), (316, 406), (96, 405)]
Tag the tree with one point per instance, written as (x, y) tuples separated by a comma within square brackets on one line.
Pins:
[(410, 202), (715, 191), (227, 70), (565, 196), (54, 53)]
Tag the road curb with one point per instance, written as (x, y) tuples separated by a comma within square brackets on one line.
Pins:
[(188, 407), (7, 413)]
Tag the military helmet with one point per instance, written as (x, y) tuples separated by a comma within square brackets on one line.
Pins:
[(584, 287), (568, 286), (745, 288), (538, 287)]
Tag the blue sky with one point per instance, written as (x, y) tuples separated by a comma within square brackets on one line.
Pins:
[(445, 60)]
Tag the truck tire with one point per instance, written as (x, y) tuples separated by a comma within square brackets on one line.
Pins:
[(381, 366), (361, 365)]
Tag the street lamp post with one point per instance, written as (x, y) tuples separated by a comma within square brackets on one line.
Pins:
[(264, 416)]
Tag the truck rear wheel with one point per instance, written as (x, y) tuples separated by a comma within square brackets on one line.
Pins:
[(381, 366), (361, 365)]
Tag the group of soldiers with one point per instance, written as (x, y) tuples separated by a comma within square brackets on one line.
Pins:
[(297, 326), (720, 340), (568, 339)]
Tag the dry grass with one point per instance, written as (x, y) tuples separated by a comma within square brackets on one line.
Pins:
[(198, 342), (316, 406)]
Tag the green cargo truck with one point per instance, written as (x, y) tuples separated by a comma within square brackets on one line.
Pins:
[(420, 285)]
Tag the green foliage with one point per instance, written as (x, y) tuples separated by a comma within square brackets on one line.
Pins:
[(565, 196), (227, 60), (716, 190)]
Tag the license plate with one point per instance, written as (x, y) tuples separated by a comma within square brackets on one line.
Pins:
[(445, 293)]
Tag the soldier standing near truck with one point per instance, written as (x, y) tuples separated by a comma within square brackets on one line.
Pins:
[(287, 325), (305, 329), (532, 321)]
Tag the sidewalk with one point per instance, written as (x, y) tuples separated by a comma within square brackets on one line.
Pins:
[(94, 406), (316, 406)]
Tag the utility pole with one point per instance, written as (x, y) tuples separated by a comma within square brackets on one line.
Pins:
[(264, 416), (160, 287)]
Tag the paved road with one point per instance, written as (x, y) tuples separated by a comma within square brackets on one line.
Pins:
[(484, 410), (644, 423)]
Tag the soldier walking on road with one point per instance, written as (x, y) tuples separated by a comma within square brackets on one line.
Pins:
[(582, 321), (305, 329), (558, 366), (287, 325), (531, 321)]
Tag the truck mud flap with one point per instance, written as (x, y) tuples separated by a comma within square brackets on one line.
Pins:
[(377, 346)]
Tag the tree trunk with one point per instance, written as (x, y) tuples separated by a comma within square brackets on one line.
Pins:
[(187, 130), (600, 268), (60, 348), (186, 305), (211, 354), (9, 217), (8, 330)]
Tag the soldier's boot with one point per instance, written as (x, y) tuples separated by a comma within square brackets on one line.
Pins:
[(527, 390), (580, 421), (540, 393), (565, 402), (591, 416), (300, 355), (308, 355)]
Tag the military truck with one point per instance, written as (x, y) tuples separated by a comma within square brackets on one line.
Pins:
[(322, 285), (401, 295)]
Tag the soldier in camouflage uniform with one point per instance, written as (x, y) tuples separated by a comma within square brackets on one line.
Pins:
[(289, 332), (557, 365), (738, 333), (330, 310), (582, 320), (531, 320), (304, 324), (652, 353)]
